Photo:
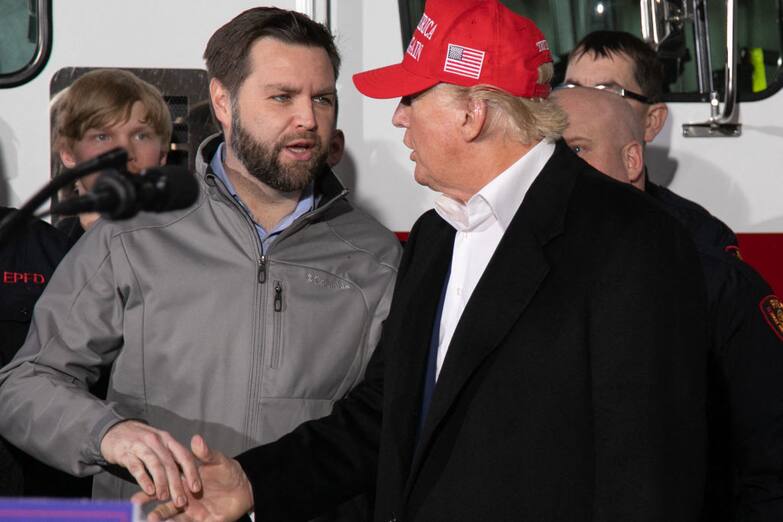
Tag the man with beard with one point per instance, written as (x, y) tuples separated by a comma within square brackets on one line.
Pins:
[(240, 317)]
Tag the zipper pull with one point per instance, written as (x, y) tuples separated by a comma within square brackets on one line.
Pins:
[(262, 269), (278, 297)]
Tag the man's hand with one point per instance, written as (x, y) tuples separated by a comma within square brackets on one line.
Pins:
[(144, 451), (227, 494)]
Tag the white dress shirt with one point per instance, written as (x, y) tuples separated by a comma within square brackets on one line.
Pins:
[(480, 225)]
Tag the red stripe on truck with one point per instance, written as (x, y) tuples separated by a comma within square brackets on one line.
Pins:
[(764, 252)]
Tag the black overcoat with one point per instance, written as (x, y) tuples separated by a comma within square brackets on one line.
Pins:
[(573, 389)]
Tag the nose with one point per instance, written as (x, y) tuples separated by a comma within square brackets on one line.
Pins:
[(122, 141), (305, 115), (401, 115), (126, 143)]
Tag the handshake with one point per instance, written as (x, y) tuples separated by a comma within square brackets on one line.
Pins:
[(197, 485)]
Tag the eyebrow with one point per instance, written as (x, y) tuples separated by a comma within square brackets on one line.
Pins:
[(606, 83), (578, 138), (281, 87), (290, 89), (104, 129), (143, 126)]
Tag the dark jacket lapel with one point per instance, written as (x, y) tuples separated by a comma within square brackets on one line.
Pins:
[(506, 288), (417, 301)]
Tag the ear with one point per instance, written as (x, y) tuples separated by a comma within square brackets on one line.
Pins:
[(336, 148), (67, 157), (163, 157), (633, 161), (656, 118), (473, 118), (221, 103)]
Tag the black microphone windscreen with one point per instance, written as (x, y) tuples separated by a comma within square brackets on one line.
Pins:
[(175, 188)]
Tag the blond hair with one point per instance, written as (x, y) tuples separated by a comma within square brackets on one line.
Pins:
[(103, 97), (527, 120)]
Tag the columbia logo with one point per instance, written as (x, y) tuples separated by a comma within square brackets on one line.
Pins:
[(335, 284)]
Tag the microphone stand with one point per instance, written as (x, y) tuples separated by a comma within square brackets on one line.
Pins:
[(115, 158)]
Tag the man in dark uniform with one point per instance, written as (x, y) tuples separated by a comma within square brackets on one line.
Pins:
[(745, 394), (27, 260), (619, 62)]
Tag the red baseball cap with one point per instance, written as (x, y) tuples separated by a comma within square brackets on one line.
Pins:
[(465, 42)]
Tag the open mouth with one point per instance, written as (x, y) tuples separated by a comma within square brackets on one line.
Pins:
[(301, 150)]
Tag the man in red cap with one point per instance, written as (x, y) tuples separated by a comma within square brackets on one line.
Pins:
[(536, 363)]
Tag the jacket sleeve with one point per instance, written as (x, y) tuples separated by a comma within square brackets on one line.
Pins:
[(382, 305), (45, 406), (648, 347), (749, 347)]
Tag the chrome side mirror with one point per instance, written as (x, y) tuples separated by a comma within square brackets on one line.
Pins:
[(660, 20)]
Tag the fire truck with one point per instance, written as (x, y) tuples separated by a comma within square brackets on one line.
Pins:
[(722, 145)]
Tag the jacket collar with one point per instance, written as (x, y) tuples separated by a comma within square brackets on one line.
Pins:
[(545, 204)]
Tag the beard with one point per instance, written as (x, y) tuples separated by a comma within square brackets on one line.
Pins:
[(262, 161)]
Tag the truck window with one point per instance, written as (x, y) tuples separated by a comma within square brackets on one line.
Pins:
[(25, 39), (758, 33)]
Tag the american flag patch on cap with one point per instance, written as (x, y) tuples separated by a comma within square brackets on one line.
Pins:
[(464, 61)]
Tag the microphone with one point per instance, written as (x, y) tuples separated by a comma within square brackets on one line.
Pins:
[(122, 195), (116, 158)]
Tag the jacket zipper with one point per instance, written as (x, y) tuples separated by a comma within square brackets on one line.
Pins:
[(277, 327), (262, 269), (278, 297), (256, 371), (257, 349)]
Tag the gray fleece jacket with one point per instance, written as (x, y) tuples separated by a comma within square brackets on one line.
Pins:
[(204, 331)]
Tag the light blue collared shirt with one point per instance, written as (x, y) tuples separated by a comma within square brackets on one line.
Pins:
[(305, 205)]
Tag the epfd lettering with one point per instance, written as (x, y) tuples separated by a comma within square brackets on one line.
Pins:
[(11, 278)]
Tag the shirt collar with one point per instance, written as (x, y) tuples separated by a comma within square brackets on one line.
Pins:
[(501, 197), (217, 167)]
